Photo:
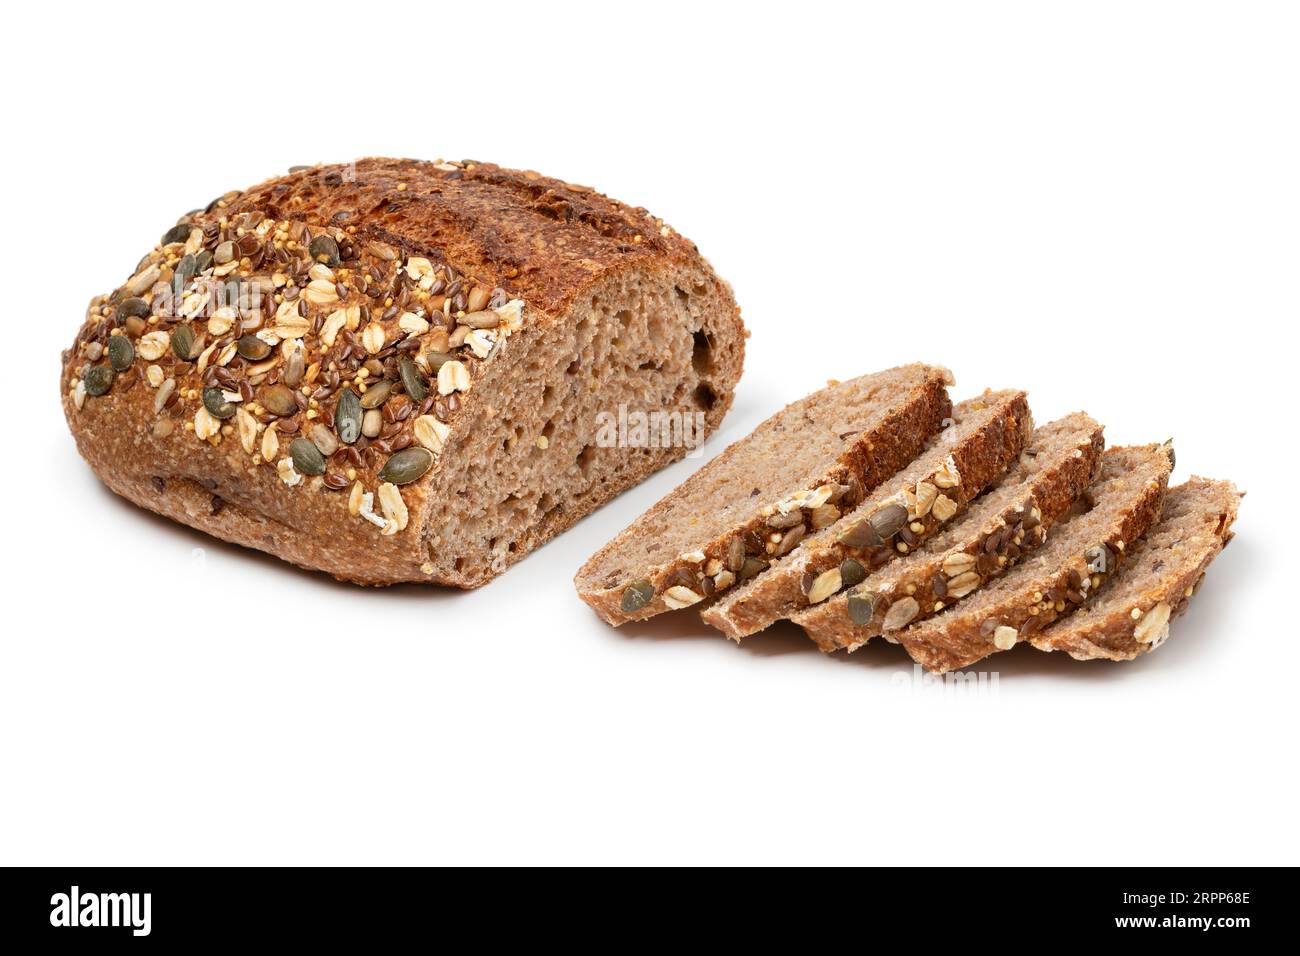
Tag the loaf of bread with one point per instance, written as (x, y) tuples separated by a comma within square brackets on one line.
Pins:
[(985, 436), (401, 371), (998, 530), (809, 463)]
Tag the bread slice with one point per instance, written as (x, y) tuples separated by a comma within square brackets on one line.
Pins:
[(1001, 526), (1079, 554), (396, 370), (987, 434), (817, 456), (1129, 615)]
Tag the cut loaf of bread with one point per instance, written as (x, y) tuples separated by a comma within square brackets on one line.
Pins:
[(995, 532), (1077, 557), (396, 370), (808, 462), (1129, 615), (987, 434)]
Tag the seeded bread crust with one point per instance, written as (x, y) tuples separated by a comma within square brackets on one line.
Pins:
[(1128, 496), (929, 499), (968, 555), (712, 564), (1130, 615), (523, 304)]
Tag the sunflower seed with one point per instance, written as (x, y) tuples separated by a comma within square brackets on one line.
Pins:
[(901, 613), (481, 320), (407, 465), (735, 555), (307, 458), (1004, 638), (323, 439), (824, 585), (372, 423)]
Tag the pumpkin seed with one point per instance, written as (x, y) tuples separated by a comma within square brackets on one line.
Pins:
[(347, 416), (203, 261), (253, 348), (177, 233), (121, 353), (185, 270), (278, 400), (377, 394), (437, 360), (636, 596), (133, 306), (306, 457), (862, 607), (98, 379), (889, 520), (407, 465), (852, 572), (215, 402), (412, 380), (183, 342), (324, 249)]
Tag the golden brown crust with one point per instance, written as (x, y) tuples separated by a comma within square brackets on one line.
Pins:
[(455, 268), (540, 238)]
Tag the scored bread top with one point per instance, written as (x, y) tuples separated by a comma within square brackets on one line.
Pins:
[(986, 436), (1078, 555), (1129, 615), (1007, 522), (818, 455)]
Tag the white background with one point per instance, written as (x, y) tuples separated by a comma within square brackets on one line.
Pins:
[(1096, 202)]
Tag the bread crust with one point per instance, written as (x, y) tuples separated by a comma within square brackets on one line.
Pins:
[(1047, 495), (957, 638), (1140, 625), (977, 459), (532, 240), (867, 460)]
